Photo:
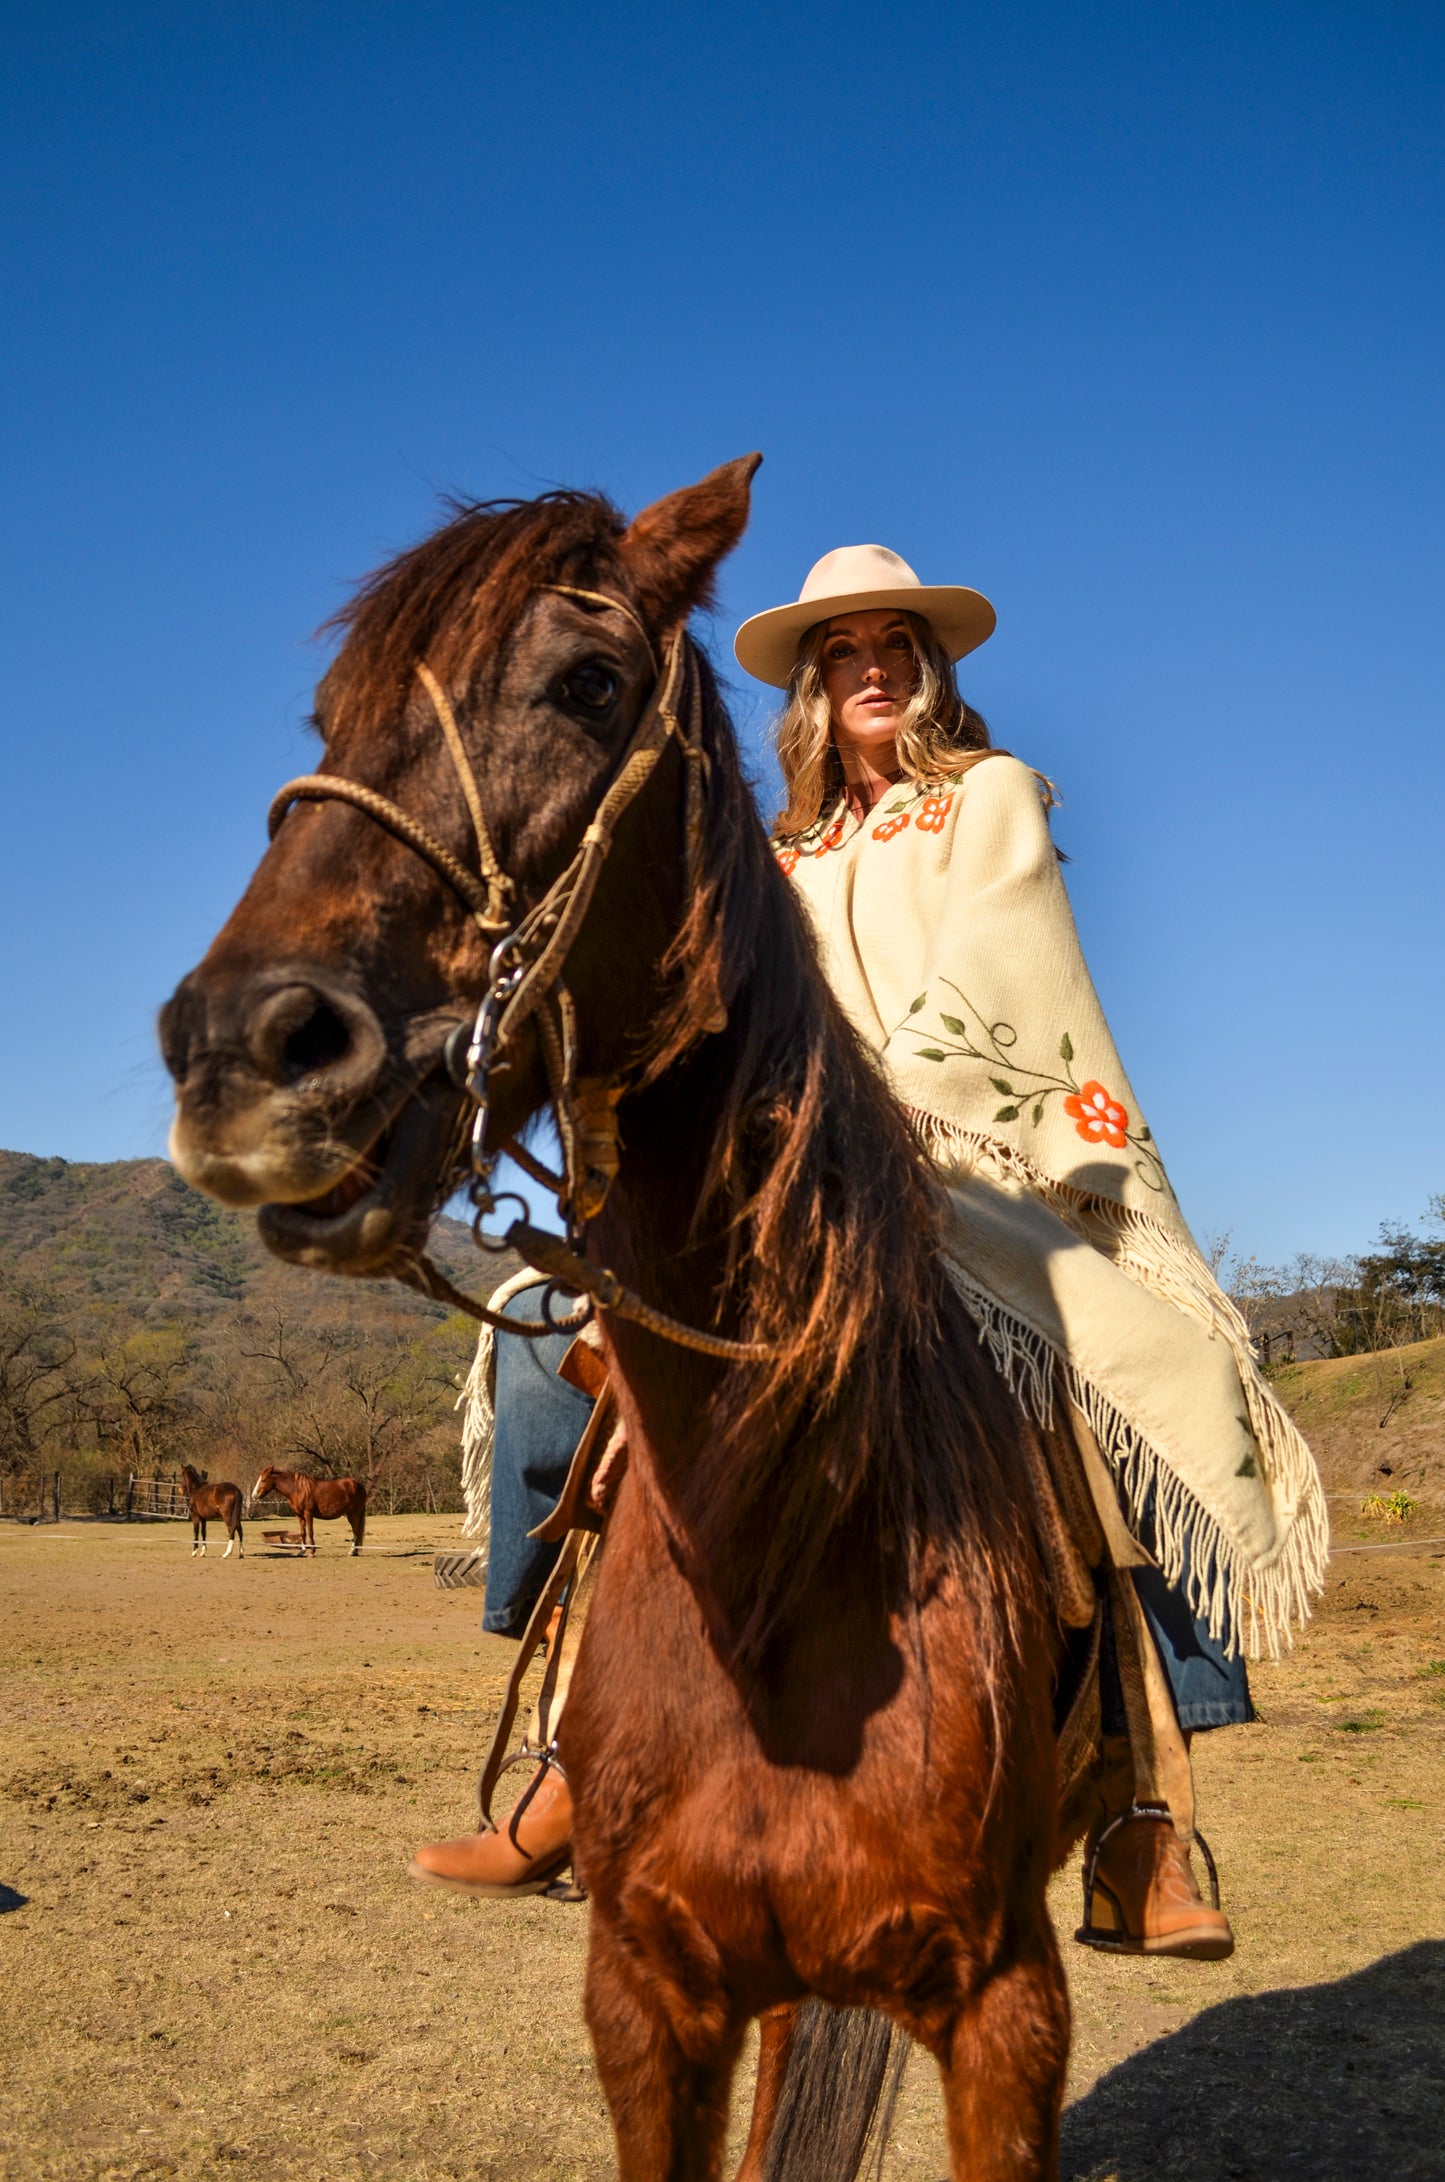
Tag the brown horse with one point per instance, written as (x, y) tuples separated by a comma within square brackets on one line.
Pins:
[(307, 1497), (205, 1500), (809, 1735)]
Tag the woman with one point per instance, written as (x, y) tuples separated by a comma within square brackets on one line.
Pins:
[(924, 860)]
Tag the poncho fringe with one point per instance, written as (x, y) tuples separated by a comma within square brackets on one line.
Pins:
[(479, 1418), (1222, 1588), (478, 1426)]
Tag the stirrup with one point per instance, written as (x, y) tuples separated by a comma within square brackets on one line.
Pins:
[(1122, 1940), (558, 1887), (545, 1760), (1146, 1810)]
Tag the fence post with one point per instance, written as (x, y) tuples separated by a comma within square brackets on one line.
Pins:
[(57, 1496), (129, 1493)]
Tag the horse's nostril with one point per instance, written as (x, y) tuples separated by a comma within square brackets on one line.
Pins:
[(319, 1042)]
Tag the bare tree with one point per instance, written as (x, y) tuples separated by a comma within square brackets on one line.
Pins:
[(37, 1370), (135, 1391)]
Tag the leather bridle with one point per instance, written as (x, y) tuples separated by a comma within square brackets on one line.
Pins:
[(526, 983)]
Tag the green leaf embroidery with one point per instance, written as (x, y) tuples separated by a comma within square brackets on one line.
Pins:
[(1145, 1137), (1006, 1088), (1039, 1111), (1007, 1113), (892, 807), (953, 1025), (1247, 1468), (1066, 1048), (915, 1005), (931, 1053)]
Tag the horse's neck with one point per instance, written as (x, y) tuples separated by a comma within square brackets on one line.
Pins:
[(650, 1234)]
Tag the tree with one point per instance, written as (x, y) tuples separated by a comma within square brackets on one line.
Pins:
[(135, 1392), (37, 1370)]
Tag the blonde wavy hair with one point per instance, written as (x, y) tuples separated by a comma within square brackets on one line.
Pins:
[(940, 738)]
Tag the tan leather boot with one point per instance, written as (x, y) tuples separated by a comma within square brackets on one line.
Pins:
[(524, 1855), (1140, 1896)]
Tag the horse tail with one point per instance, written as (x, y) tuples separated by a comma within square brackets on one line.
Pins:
[(842, 2083)]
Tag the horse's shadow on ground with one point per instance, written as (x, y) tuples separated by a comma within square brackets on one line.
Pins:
[(1329, 2083), (9, 1899)]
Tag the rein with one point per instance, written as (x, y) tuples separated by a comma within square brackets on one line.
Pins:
[(525, 981)]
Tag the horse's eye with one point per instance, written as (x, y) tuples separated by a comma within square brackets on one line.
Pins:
[(590, 686)]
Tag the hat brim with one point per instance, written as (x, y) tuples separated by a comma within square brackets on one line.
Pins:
[(767, 645)]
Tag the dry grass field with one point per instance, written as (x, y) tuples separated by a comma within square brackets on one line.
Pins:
[(212, 1773)]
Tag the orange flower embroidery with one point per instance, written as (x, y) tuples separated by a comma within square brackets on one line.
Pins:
[(788, 862), (934, 811), (1098, 1118), (832, 839), (886, 831)]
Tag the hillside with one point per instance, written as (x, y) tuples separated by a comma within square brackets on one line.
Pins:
[(1375, 1422), (141, 1325), (129, 1235)]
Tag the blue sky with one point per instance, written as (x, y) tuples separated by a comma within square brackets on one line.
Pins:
[(1131, 316)]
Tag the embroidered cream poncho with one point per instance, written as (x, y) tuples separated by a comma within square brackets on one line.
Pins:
[(946, 932)]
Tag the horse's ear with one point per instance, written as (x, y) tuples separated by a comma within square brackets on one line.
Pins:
[(672, 549)]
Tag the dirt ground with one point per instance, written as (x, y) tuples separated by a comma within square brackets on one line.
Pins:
[(212, 1774)]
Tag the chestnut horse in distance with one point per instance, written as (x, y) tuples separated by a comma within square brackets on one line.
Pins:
[(206, 1500), (307, 1497), (809, 1735)]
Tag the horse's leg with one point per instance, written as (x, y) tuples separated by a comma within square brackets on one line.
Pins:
[(776, 2032), (356, 1529), (195, 1537), (668, 2101), (230, 1539), (240, 1539), (1003, 2072)]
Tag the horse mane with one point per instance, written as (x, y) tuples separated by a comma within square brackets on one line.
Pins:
[(877, 1392)]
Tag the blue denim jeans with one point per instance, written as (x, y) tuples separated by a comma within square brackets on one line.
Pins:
[(539, 1420), (1209, 1690)]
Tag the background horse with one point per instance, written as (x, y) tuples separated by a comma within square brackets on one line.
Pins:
[(206, 1500), (307, 1497), (809, 1736)]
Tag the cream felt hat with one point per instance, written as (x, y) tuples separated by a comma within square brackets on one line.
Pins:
[(853, 579)]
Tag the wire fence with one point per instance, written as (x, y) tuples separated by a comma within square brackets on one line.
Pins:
[(45, 1496)]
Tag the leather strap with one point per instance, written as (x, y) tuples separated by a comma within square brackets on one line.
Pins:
[(1162, 1771), (561, 1588)]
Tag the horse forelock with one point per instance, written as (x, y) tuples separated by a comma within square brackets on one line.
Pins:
[(453, 599)]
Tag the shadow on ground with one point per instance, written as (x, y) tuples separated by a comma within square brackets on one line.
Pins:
[(1329, 2083), (9, 1899)]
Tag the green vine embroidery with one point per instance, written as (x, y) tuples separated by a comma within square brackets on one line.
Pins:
[(1097, 1117)]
